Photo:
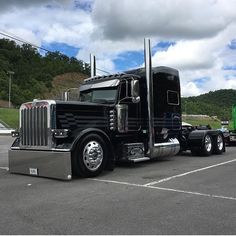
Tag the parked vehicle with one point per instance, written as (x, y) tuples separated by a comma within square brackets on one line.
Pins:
[(230, 135), (5, 129), (132, 116)]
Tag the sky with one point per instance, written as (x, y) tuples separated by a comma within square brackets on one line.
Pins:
[(196, 37)]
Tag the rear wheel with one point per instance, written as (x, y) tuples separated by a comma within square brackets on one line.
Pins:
[(90, 156), (219, 144), (207, 147)]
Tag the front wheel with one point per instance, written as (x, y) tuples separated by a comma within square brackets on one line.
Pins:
[(90, 156)]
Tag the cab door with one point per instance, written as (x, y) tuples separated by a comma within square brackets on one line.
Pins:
[(134, 109)]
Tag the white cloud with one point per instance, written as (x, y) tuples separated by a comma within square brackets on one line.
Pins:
[(202, 58), (50, 24), (106, 64), (163, 18), (190, 89), (16, 4), (197, 54), (202, 29)]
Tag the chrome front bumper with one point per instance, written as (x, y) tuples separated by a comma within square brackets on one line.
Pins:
[(50, 164)]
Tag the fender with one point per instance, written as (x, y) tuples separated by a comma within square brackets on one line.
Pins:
[(196, 137), (87, 131)]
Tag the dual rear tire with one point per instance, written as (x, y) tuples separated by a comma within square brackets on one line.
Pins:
[(219, 144), (210, 144)]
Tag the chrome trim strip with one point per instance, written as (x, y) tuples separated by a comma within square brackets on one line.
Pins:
[(40, 149), (61, 150), (140, 159), (15, 148)]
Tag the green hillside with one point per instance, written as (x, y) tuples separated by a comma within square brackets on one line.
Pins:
[(218, 103), (33, 73), (37, 76)]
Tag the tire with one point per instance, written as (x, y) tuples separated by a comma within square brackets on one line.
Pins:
[(218, 144), (207, 147), (90, 156)]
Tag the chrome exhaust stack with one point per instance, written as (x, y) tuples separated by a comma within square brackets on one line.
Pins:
[(155, 150), (149, 81), (92, 65)]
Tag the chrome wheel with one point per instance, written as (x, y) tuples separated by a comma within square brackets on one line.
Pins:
[(208, 143), (92, 155), (220, 143)]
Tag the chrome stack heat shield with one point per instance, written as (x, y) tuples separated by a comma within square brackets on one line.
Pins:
[(92, 65), (155, 150)]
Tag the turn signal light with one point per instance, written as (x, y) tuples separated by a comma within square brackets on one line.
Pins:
[(60, 133)]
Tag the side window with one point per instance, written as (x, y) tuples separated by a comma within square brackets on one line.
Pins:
[(125, 89), (86, 97), (172, 97)]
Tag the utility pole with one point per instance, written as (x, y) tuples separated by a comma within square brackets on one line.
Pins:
[(10, 73)]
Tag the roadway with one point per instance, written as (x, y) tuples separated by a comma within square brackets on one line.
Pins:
[(179, 195)]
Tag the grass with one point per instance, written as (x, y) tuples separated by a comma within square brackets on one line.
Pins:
[(10, 117), (215, 124)]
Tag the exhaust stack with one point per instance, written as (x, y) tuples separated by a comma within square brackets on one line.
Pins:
[(149, 79), (155, 150), (92, 65)]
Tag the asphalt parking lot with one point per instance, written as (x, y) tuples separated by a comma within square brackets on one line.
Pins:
[(180, 195)]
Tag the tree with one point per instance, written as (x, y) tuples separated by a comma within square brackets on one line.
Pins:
[(34, 73)]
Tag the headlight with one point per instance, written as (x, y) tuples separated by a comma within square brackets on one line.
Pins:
[(15, 134)]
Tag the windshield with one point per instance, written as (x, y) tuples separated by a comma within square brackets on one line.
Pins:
[(99, 96)]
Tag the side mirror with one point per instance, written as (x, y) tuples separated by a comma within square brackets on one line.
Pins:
[(135, 91)]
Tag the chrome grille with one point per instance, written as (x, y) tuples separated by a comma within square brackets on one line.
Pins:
[(34, 126)]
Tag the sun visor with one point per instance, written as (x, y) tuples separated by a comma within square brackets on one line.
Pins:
[(104, 84)]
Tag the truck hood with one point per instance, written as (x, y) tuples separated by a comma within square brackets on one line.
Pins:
[(81, 115), (75, 103)]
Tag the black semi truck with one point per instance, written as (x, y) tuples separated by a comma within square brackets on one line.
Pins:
[(132, 116)]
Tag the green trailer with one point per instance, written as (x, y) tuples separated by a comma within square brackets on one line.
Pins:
[(231, 138)]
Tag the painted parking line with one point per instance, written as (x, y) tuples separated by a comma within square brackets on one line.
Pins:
[(4, 168), (166, 189), (189, 172)]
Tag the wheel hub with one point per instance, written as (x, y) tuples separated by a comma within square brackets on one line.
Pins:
[(208, 143), (220, 142), (93, 155)]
